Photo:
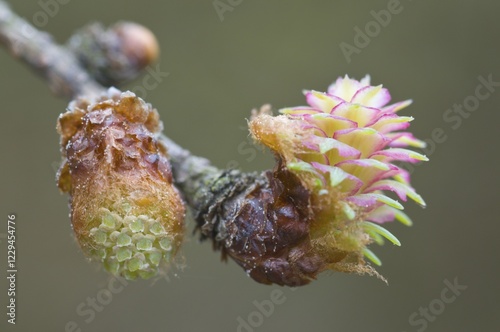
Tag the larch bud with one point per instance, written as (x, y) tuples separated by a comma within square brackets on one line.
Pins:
[(343, 147), (116, 54), (324, 202), (125, 211)]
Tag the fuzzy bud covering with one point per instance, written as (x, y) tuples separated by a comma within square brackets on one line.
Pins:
[(125, 211)]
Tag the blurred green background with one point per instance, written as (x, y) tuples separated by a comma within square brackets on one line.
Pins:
[(267, 52)]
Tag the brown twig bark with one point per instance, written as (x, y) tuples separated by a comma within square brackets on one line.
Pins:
[(62, 71)]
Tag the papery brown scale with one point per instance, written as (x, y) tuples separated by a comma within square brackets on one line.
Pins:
[(269, 234)]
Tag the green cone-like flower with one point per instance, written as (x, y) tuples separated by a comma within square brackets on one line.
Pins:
[(125, 211)]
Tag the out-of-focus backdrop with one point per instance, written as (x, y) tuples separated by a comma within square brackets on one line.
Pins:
[(224, 58)]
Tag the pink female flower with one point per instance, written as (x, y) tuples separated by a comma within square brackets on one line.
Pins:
[(345, 148)]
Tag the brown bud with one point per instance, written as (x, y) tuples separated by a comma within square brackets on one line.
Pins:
[(117, 54), (138, 43)]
